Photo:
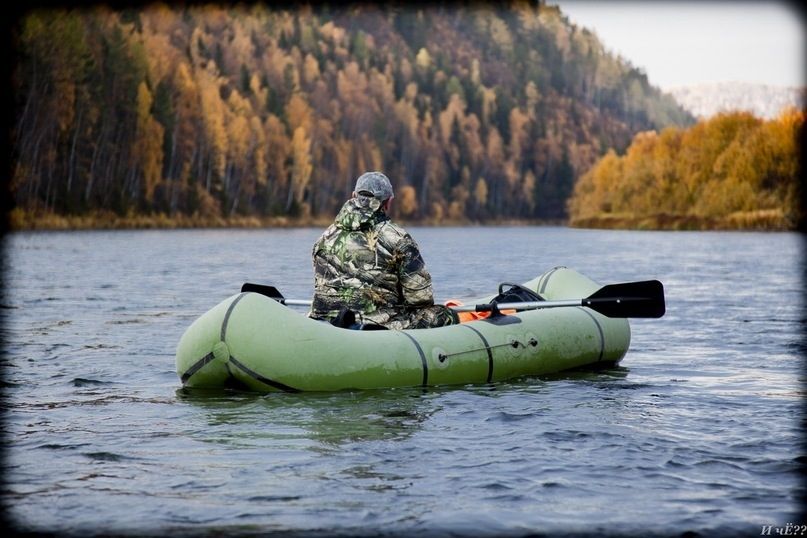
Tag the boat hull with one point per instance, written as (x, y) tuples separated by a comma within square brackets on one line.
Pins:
[(252, 342)]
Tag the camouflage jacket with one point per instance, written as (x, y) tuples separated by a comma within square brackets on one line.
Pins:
[(369, 264)]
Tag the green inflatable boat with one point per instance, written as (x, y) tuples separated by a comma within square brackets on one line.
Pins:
[(253, 342)]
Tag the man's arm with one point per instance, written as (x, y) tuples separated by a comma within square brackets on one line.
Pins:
[(416, 282)]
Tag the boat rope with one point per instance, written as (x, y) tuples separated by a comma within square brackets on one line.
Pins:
[(512, 343)]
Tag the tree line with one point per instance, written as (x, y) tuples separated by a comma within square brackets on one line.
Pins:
[(475, 113), (733, 170)]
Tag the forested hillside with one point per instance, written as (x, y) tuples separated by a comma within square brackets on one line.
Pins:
[(476, 113), (733, 170)]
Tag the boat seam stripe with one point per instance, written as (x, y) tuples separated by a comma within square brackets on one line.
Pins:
[(422, 358), (487, 348), (545, 279), (265, 380), (227, 315), (196, 367), (599, 328)]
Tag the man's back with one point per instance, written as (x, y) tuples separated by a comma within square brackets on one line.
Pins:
[(366, 263), (369, 264)]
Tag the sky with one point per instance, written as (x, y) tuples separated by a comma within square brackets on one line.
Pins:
[(685, 43)]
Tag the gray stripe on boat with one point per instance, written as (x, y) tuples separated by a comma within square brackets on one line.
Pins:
[(196, 367), (265, 380), (487, 348), (422, 358), (545, 279), (599, 328), (227, 315)]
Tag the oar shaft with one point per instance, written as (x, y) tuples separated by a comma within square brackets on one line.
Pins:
[(485, 307), (527, 305), (296, 302), (474, 308)]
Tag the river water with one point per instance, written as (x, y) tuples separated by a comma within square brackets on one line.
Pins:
[(698, 429)]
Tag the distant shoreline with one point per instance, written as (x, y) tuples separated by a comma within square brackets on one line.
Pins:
[(760, 220), (19, 221)]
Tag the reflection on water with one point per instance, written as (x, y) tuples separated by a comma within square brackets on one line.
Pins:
[(331, 419), (697, 430)]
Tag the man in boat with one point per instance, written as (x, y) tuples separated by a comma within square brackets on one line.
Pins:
[(372, 267)]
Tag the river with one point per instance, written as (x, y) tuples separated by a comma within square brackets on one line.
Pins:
[(698, 429)]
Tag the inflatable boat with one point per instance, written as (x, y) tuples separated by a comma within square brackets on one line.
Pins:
[(251, 341)]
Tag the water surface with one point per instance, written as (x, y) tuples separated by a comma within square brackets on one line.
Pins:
[(697, 430)]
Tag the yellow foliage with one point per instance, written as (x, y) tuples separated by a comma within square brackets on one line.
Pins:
[(500, 33), (481, 192), (732, 170), (518, 133), (259, 160), (406, 201), (456, 210), (301, 163), (454, 111), (148, 142), (423, 58), (437, 211), (298, 113), (310, 69)]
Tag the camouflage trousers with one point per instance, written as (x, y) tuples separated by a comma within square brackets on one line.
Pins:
[(423, 318)]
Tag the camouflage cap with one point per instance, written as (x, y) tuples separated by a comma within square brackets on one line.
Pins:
[(374, 183)]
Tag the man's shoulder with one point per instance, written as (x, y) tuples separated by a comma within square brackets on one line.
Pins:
[(393, 232), (395, 235)]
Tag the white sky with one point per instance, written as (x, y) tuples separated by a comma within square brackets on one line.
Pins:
[(682, 43)]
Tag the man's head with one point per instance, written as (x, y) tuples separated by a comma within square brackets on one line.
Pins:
[(374, 185)]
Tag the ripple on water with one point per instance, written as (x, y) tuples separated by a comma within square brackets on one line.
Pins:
[(107, 456), (82, 382)]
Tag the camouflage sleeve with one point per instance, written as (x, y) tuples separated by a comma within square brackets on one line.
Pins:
[(416, 282)]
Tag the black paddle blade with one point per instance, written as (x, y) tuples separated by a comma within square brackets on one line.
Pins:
[(643, 299), (269, 291)]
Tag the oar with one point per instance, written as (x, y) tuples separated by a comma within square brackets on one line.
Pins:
[(644, 299)]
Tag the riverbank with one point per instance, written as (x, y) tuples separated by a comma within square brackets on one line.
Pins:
[(763, 220), (20, 220), (767, 220)]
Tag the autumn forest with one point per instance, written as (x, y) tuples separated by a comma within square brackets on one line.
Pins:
[(203, 115)]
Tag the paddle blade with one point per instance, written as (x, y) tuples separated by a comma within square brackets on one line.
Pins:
[(269, 291), (643, 299)]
